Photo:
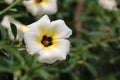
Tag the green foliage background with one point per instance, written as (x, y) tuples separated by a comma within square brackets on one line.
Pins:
[(93, 56)]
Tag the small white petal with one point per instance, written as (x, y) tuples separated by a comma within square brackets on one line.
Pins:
[(32, 46), (50, 8), (9, 1), (31, 7), (57, 53), (108, 4), (6, 22), (60, 29), (11, 37), (20, 27)]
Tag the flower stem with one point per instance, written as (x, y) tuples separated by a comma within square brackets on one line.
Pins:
[(9, 7)]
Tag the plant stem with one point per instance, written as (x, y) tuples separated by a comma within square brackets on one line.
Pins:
[(9, 7), (78, 10)]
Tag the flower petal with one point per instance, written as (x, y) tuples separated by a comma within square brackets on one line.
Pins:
[(108, 4), (60, 29), (32, 46), (50, 7), (20, 27), (6, 22), (57, 53), (9, 1), (31, 7), (40, 24)]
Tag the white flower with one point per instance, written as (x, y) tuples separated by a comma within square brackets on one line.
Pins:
[(20, 27), (9, 1), (39, 7), (108, 4), (48, 39)]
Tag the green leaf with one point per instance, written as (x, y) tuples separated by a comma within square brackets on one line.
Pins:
[(68, 59), (3, 33), (43, 74), (14, 29), (92, 69), (75, 77)]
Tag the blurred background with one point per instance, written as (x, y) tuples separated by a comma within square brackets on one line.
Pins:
[(95, 44)]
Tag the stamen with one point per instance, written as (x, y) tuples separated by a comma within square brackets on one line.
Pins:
[(49, 39), (50, 43), (38, 1), (44, 37), (46, 41)]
